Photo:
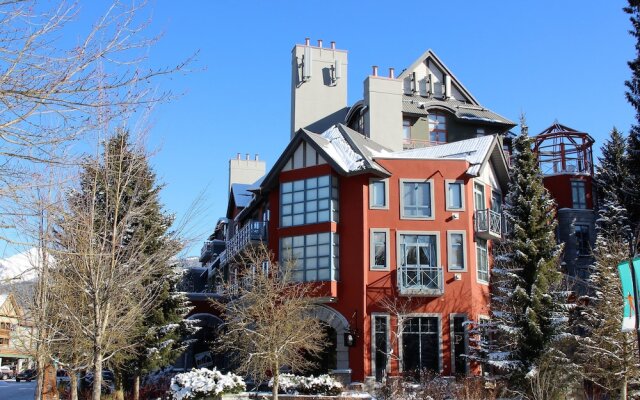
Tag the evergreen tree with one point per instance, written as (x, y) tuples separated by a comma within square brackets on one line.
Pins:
[(158, 343), (632, 198), (612, 172), (524, 307)]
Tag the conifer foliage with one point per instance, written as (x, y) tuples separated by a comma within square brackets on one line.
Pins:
[(632, 200), (524, 307), (604, 354)]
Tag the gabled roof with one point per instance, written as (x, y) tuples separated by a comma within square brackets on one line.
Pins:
[(347, 151), (477, 152), (430, 57), (239, 197)]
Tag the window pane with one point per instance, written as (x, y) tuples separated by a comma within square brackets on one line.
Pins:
[(455, 195), (378, 194), (456, 251), (287, 187)]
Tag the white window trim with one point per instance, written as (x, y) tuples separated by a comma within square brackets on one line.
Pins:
[(464, 252), (484, 194), (372, 255), (373, 341), (451, 346), (400, 339), (386, 194), (488, 266), (399, 242), (447, 182), (431, 197)]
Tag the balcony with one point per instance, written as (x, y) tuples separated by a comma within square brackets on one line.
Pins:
[(408, 144), (420, 281), (206, 252), (252, 233), (488, 224)]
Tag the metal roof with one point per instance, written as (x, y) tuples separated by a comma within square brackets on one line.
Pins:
[(241, 194), (463, 111)]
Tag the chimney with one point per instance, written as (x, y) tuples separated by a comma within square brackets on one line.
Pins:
[(257, 157), (333, 45), (238, 156), (320, 43), (375, 70), (247, 156), (307, 41), (392, 73)]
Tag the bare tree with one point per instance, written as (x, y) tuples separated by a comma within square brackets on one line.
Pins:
[(54, 89), (268, 324)]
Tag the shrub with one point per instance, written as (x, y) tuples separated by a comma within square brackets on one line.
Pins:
[(320, 385), (203, 382)]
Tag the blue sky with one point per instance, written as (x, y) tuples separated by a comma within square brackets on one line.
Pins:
[(562, 60)]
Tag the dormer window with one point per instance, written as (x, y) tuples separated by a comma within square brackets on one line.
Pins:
[(437, 127)]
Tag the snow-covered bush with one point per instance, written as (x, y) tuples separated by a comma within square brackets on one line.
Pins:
[(203, 382), (320, 385)]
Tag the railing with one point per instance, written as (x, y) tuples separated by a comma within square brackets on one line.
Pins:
[(408, 144), (252, 231), (206, 252), (421, 281), (488, 223)]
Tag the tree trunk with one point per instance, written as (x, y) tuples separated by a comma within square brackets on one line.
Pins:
[(119, 394), (623, 388), (97, 375), (73, 384), (136, 386), (39, 378), (276, 383)]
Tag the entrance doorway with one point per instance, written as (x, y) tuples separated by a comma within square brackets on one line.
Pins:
[(326, 360)]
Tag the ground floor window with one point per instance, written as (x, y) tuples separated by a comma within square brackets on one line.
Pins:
[(421, 344), (459, 344), (380, 351)]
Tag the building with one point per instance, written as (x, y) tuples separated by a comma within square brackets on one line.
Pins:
[(16, 334), (390, 207)]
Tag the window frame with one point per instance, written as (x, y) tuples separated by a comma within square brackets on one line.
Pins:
[(385, 182), (402, 319), (333, 256), (451, 344), (486, 249), (448, 206), (372, 256), (431, 199), (450, 252), (333, 200), (438, 131), (576, 204), (578, 242), (386, 316), (399, 235)]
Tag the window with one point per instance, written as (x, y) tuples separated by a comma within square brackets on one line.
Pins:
[(437, 127), (459, 342), (421, 344), (455, 195), (309, 201), (378, 193), (455, 251), (578, 194), (496, 201), (478, 196), (379, 345), (482, 260), (406, 129), (418, 260), (416, 199), (583, 243), (315, 256), (379, 249)]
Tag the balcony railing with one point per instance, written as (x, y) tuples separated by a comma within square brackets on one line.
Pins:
[(254, 231), (488, 224), (420, 281), (408, 144), (206, 252)]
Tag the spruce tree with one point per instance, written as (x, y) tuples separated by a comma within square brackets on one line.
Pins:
[(524, 306), (632, 197), (159, 333)]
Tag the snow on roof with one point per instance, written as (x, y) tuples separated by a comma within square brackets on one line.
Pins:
[(472, 150), (241, 194), (3, 298), (340, 151), (20, 266)]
